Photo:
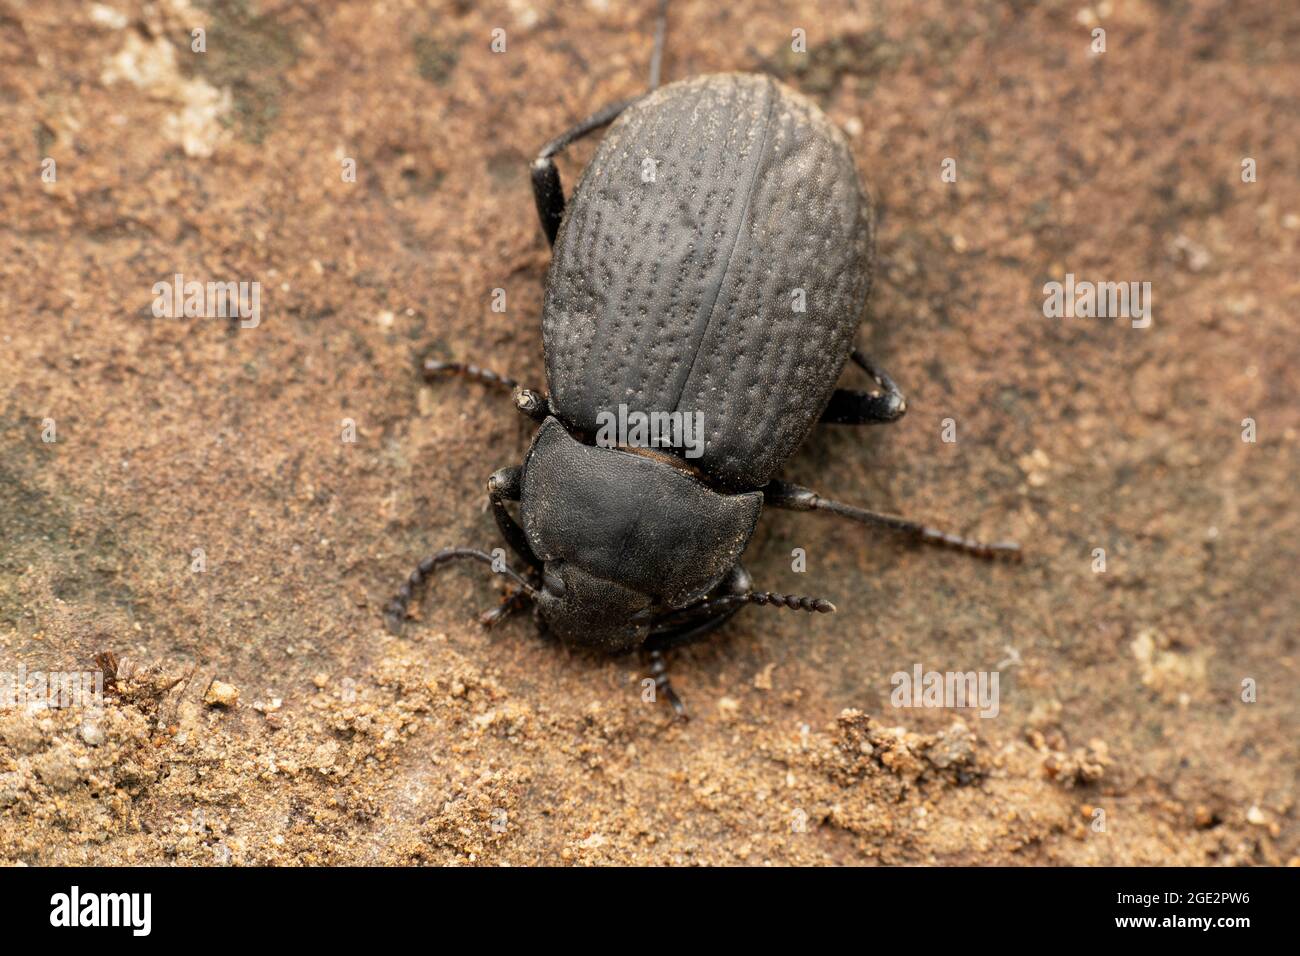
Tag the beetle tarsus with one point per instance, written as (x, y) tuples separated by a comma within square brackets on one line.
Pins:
[(990, 550), (663, 686), (678, 707), (657, 57)]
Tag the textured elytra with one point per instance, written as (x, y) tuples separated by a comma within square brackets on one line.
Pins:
[(677, 292)]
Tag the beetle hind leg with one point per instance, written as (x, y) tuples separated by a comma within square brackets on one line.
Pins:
[(547, 191), (783, 494), (852, 407)]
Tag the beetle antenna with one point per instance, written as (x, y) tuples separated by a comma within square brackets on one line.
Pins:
[(656, 58), (395, 612), (793, 601), (711, 606)]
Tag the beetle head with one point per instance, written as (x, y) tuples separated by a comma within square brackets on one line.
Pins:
[(623, 536), (584, 610)]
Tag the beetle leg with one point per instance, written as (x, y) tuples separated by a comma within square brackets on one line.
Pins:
[(548, 194), (507, 485), (514, 601), (851, 407), (547, 191), (657, 57), (532, 404), (395, 612), (880, 376), (659, 671), (783, 494)]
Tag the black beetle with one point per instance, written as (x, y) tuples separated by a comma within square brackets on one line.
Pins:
[(712, 209)]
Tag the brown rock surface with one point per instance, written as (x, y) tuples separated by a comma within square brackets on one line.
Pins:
[(194, 443)]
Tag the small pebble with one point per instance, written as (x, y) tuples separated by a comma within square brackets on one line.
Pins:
[(221, 694)]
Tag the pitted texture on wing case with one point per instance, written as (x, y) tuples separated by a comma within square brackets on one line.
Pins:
[(677, 294)]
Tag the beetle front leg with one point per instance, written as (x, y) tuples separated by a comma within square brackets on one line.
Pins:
[(507, 485), (783, 494), (396, 609), (514, 601), (659, 672)]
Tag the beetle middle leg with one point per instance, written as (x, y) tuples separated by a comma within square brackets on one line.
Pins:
[(530, 403), (852, 407), (783, 494), (506, 485)]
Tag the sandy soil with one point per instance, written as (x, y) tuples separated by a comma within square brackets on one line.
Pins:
[(1120, 691)]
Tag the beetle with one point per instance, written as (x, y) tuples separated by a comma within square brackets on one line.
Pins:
[(711, 209)]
